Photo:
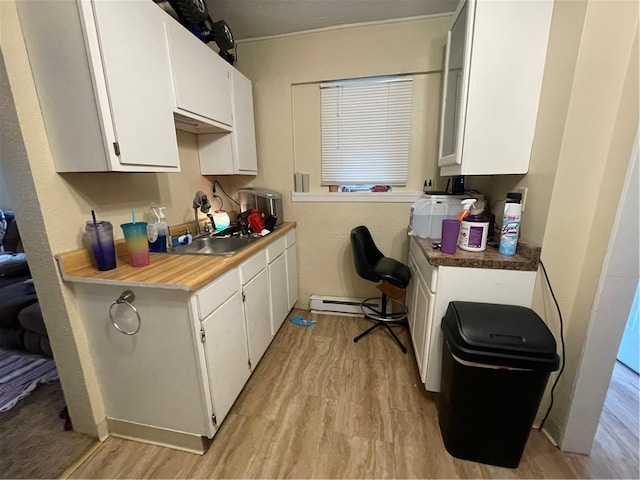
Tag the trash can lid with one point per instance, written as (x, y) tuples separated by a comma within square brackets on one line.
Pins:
[(499, 335)]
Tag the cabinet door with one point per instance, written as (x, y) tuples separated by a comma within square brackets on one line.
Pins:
[(422, 316), (454, 92), (215, 151), (226, 353), (235, 152), (201, 78), (411, 293), (244, 133), (138, 81), (278, 292), (483, 92), (257, 318), (292, 275)]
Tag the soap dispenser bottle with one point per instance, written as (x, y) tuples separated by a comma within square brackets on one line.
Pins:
[(157, 229)]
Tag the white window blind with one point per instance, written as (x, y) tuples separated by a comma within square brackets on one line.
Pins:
[(365, 131)]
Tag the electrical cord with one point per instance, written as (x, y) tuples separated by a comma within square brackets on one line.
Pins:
[(544, 270), (215, 182), (219, 200)]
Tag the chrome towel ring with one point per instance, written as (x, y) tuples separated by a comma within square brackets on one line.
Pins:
[(127, 298)]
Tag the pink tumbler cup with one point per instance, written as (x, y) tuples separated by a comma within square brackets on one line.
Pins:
[(136, 236)]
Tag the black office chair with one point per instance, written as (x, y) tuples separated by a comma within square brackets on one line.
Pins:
[(372, 265)]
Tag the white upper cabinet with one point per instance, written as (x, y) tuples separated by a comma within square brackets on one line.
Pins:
[(494, 65), (200, 80), (235, 153), (103, 78), (244, 134)]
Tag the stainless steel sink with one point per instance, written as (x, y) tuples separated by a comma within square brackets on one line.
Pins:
[(224, 246)]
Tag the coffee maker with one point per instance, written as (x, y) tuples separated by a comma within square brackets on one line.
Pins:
[(267, 202)]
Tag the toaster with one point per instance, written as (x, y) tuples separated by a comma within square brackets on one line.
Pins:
[(268, 202)]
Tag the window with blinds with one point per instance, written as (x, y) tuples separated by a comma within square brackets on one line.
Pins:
[(365, 131)]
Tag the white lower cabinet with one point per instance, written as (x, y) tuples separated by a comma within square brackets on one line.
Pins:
[(173, 381), (225, 347), (421, 302), (255, 294), (291, 255), (278, 289), (278, 292), (157, 376), (432, 290)]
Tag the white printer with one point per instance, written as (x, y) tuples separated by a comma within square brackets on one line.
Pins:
[(429, 210)]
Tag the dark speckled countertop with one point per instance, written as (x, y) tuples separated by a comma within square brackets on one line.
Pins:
[(526, 258)]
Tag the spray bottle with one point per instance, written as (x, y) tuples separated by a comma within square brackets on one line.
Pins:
[(466, 208), (510, 224), (157, 229)]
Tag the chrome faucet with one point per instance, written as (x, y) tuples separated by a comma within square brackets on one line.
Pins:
[(200, 201)]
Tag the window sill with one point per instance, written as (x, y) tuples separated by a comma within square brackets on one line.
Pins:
[(357, 197)]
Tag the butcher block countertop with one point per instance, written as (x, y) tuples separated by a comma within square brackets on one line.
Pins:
[(526, 258), (165, 270)]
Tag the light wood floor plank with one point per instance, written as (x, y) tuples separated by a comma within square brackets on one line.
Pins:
[(320, 406), (238, 451), (418, 448), (406, 390), (297, 438), (364, 409), (355, 457)]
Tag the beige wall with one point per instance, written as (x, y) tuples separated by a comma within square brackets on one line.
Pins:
[(601, 125), (586, 126), (564, 42), (52, 210), (325, 263)]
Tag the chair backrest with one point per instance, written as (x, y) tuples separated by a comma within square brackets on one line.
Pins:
[(365, 253)]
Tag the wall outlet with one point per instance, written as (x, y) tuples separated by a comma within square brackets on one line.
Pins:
[(523, 191)]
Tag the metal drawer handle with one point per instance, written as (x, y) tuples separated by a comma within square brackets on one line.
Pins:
[(126, 298)]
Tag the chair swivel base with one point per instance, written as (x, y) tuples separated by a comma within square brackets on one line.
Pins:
[(383, 319)]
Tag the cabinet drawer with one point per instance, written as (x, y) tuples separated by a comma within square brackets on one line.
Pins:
[(428, 271), (290, 238), (217, 292), (275, 249), (253, 266)]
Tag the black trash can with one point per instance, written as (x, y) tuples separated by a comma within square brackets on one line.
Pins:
[(496, 361)]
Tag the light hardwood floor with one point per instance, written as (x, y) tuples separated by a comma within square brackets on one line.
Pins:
[(320, 406)]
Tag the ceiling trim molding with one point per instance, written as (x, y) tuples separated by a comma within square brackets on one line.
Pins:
[(346, 26)]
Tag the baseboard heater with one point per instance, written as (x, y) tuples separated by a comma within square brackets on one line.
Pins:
[(349, 307)]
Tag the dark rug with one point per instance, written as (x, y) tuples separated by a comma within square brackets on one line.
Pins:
[(33, 442), (20, 374)]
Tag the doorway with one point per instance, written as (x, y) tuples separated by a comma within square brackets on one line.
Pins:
[(610, 311), (629, 352)]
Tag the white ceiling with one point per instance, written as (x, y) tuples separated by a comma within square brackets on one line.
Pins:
[(264, 18)]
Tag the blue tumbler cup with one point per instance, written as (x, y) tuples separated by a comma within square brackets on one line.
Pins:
[(102, 245)]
